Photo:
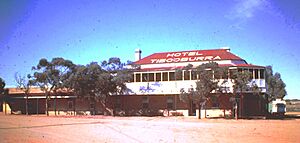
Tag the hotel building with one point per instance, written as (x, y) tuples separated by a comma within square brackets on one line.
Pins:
[(155, 89)]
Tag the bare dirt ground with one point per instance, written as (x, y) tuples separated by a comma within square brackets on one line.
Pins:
[(21, 128)]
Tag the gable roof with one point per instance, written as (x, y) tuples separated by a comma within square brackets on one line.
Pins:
[(188, 56)]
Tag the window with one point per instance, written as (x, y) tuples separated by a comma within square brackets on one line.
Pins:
[(194, 75), (70, 104), (157, 76), (151, 76), (186, 75), (240, 70), (131, 78), (145, 77), (171, 76), (251, 72), (262, 74), (165, 76), (225, 74), (178, 74), (137, 77), (145, 102), (170, 102), (255, 73)]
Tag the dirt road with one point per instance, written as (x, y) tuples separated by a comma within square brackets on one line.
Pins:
[(22, 128)]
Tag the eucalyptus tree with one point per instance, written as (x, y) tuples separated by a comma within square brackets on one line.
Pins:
[(97, 82), (120, 75), (2, 85), (205, 85), (113, 64), (25, 84), (91, 82), (241, 83), (51, 76), (2, 92), (275, 85)]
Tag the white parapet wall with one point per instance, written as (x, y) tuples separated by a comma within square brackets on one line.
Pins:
[(213, 113), (208, 113), (185, 113)]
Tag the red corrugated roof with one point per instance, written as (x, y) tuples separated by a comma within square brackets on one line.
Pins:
[(188, 56)]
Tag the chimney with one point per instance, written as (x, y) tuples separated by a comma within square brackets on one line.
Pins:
[(137, 54), (226, 48)]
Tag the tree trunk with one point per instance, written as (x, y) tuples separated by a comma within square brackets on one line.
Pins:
[(94, 112), (5, 112), (26, 102), (74, 103), (267, 102), (204, 112), (236, 109), (54, 104), (47, 113), (106, 108), (241, 105), (91, 109), (46, 103), (37, 106)]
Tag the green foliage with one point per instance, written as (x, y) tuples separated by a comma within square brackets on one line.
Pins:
[(178, 74), (241, 80), (93, 81), (275, 85), (188, 67), (113, 64), (97, 82), (2, 85), (184, 96), (204, 85), (51, 75)]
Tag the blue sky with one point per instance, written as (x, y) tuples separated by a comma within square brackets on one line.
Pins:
[(263, 32)]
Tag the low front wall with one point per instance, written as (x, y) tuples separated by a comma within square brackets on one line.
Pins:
[(71, 113), (215, 113), (6, 108)]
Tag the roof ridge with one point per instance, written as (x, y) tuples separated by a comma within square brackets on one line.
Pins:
[(190, 51)]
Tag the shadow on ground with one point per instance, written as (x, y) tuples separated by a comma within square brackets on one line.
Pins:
[(51, 125)]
